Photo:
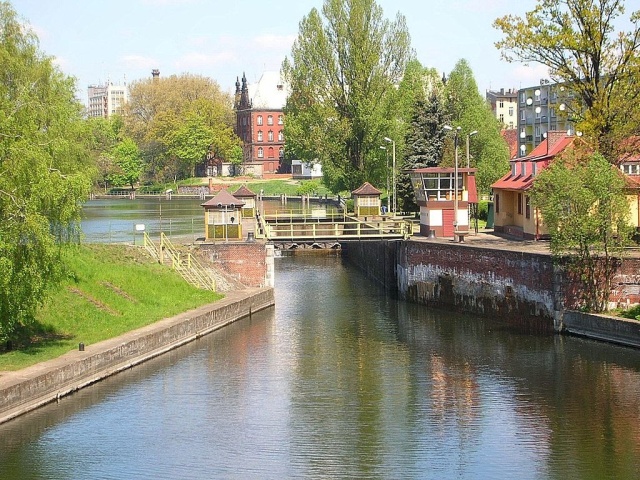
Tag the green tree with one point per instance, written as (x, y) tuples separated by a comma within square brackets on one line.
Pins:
[(424, 144), (489, 152), (176, 120), (583, 205), (342, 73), (44, 173), (128, 160), (578, 41)]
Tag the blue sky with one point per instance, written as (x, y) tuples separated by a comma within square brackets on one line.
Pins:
[(122, 41)]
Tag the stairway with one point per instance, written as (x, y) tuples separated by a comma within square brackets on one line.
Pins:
[(184, 263)]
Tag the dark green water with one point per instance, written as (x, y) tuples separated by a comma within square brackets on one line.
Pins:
[(341, 381)]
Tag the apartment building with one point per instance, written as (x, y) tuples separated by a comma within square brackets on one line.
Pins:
[(106, 100), (504, 104)]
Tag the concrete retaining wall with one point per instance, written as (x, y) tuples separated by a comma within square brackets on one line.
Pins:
[(602, 327), (32, 387), (377, 259)]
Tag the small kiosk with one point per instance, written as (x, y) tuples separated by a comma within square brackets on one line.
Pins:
[(222, 215), (366, 200), (249, 199)]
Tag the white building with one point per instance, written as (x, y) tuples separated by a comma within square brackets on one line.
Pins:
[(107, 100), (303, 170), (504, 105)]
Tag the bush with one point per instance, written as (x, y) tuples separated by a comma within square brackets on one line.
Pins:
[(483, 210)]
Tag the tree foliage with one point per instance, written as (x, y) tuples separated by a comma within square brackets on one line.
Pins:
[(44, 173), (488, 151), (176, 120), (128, 162), (578, 41), (342, 70), (583, 205)]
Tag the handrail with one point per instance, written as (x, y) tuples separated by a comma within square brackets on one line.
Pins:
[(191, 270)]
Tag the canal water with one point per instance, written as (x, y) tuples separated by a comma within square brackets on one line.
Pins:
[(339, 380)]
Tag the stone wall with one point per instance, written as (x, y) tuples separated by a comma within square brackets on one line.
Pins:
[(251, 263), (377, 259), (518, 287)]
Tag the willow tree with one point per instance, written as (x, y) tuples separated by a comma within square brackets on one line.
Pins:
[(579, 41), (341, 73), (44, 175)]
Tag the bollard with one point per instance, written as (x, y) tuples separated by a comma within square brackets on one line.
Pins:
[(81, 347)]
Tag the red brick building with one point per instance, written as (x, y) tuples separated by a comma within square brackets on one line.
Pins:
[(260, 122)]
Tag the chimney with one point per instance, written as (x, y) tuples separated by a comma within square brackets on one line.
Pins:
[(553, 137), (155, 73)]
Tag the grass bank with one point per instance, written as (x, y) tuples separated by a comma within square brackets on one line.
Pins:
[(109, 290)]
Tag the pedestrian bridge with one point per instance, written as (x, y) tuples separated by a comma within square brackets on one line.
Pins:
[(326, 230)]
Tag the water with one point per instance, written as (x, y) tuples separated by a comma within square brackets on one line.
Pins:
[(115, 220), (341, 381)]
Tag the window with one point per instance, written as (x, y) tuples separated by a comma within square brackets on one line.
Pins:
[(534, 170), (270, 135), (552, 111), (523, 97), (527, 206), (511, 111), (501, 118), (280, 136), (260, 152), (270, 153), (259, 120), (519, 204), (438, 186), (259, 135), (514, 169), (537, 131), (523, 168), (270, 120), (523, 115), (497, 202), (511, 125), (281, 153), (501, 103), (280, 122)]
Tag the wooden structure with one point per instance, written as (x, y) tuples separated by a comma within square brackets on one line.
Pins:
[(249, 199), (366, 200), (222, 217), (444, 210)]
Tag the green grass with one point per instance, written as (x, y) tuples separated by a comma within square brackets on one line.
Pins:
[(110, 290)]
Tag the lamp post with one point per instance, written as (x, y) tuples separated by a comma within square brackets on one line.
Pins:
[(455, 178), (386, 155), (469, 135), (393, 173)]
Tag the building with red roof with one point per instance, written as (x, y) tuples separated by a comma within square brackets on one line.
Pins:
[(442, 212), (514, 214)]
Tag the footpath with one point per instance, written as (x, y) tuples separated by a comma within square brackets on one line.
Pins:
[(30, 388)]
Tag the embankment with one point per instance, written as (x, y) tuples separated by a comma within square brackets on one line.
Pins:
[(30, 388)]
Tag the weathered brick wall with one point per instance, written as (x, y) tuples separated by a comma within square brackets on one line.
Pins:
[(251, 263), (515, 286)]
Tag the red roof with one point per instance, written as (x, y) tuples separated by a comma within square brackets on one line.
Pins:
[(366, 189), (551, 146), (511, 137), (223, 199), (243, 191)]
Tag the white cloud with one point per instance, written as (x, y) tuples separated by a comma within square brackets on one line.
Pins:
[(530, 75)]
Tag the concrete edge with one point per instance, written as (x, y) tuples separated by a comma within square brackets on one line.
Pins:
[(602, 327), (28, 389)]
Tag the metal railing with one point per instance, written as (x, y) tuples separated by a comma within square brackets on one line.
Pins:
[(352, 229), (184, 263)]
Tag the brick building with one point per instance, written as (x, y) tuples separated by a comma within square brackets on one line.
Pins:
[(260, 122)]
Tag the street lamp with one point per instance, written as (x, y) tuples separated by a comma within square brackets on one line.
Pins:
[(455, 178), (386, 155), (393, 173), (469, 135)]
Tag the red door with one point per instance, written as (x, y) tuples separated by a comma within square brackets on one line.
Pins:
[(447, 223)]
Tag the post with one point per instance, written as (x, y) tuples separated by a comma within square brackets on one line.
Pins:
[(455, 184), (393, 180)]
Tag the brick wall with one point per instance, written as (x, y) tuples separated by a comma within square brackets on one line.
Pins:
[(251, 263)]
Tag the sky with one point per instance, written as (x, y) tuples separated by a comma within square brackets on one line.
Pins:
[(120, 41)]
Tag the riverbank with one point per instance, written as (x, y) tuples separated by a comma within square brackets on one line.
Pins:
[(27, 389)]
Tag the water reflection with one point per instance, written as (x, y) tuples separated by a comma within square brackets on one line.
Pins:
[(341, 381)]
